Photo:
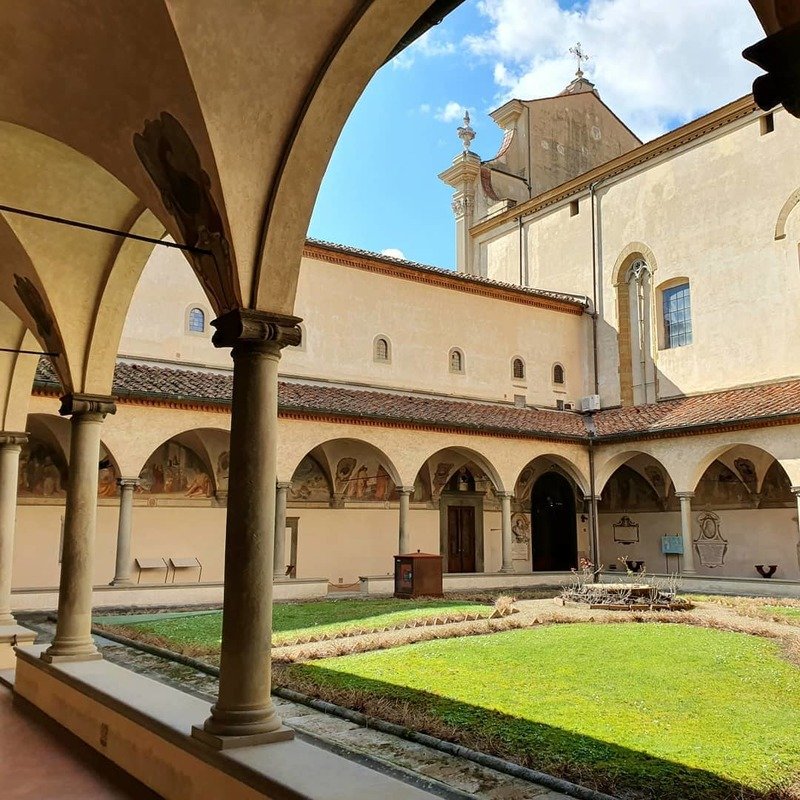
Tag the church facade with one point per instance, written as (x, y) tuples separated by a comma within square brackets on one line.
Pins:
[(609, 375)]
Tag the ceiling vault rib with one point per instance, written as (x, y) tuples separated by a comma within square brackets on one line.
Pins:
[(87, 226), (299, 119)]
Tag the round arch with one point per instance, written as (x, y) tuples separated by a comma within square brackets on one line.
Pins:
[(332, 451), (745, 449), (564, 464), (608, 468), (783, 215), (468, 454)]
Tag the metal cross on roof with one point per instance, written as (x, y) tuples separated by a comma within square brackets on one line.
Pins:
[(581, 56)]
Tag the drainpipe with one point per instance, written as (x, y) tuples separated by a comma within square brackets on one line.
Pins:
[(519, 220), (595, 528)]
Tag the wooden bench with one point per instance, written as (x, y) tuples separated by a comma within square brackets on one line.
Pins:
[(191, 562), (151, 563)]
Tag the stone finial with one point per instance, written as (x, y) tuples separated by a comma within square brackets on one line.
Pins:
[(466, 133)]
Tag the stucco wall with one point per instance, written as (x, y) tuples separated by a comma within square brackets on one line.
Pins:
[(706, 211), (762, 536), (345, 308)]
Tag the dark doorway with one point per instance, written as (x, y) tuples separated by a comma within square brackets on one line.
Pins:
[(555, 531), (460, 539)]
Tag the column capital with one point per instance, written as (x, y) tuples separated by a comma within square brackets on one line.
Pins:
[(796, 490), (505, 494), (128, 482), (409, 490), (250, 328), (686, 495), (12, 438), (79, 404), (283, 485)]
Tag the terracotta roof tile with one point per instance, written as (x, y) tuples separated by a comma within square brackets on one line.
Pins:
[(768, 401)]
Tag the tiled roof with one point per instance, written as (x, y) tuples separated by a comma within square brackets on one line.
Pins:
[(735, 406), (572, 299), (765, 402), (145, 380)]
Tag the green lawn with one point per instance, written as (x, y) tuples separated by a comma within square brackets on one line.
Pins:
[(792, 613), (293, 620), (656, 710)]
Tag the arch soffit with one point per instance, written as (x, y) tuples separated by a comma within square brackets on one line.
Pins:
[(468, 454), (783, 215), (606, 469), (17, 371), (564, 463), (200, 440), (325, 447), (717, 453), (628, 255), (56, 430)]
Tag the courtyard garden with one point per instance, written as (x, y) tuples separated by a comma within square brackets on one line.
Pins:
[(697, 704)]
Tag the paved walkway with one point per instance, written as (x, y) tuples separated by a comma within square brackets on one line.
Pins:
[(38, 762), (454, 777)]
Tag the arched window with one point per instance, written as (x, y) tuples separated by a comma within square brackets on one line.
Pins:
[(558, 374), (197, 320), (382, 350), (456, 360), (518, 369), (676, 309), (640, 282)]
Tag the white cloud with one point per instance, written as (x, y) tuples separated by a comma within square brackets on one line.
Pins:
[(393, 252), (425, 108), (450, 112), (655, 63), (429, 45)]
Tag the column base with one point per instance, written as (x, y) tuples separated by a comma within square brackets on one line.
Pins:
[(122, 582), (56, 658), (219, 742), (506, 570), (11, 636)]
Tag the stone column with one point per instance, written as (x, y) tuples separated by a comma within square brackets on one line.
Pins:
[(796, 492), (73, 640), (281, 491), (10, 447), (686, 531), (244, 713), (122, 572), (505, 505), (406, 492)]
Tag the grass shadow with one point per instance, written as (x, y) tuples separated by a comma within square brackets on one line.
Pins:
[(600, 765)]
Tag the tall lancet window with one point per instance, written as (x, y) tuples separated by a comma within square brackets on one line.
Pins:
[(640, 298)]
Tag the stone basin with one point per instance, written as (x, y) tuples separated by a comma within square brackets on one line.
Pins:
[(635, 589)]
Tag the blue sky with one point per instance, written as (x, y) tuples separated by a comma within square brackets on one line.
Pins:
[(656, 64)]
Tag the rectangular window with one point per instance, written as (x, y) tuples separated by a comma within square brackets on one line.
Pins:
[(767, 123), (677, 309), (574, 208)]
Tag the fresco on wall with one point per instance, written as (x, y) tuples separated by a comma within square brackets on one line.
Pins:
[(522, 491), (440, 476), (776, 491), (309, 483), (42, 470), (107, 479), (177, 471), (627, 490), (721, 487), (363, 480), (422, 487), (223, 469), (747, 472), (656, 477)]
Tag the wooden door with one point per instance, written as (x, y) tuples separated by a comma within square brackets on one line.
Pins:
[(460, 539)]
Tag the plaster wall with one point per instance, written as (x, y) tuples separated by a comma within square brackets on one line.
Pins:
[(755, 536), (680, 207), (345, 308)]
